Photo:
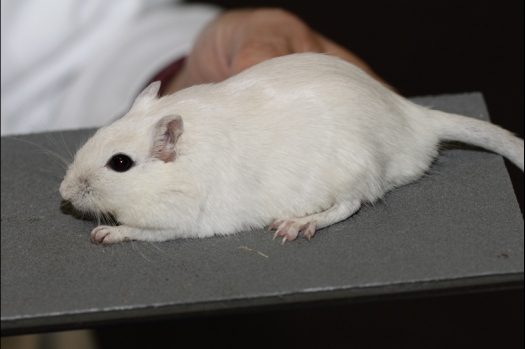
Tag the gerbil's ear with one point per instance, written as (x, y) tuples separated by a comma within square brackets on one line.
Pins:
[(149, 93), (165, 135)]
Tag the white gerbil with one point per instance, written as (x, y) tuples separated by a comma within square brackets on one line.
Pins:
[(297, 143)]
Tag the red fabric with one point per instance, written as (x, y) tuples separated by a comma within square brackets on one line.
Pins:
[(167, 73)]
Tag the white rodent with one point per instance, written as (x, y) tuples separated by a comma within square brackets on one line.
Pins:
[(297, 143)]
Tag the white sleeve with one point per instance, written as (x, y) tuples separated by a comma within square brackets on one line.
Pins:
[(70, 64)]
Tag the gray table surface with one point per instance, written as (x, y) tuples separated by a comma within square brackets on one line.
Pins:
[(458, 226)]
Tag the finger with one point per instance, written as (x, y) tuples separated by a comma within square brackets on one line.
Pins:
[(274, 45), (255, 53), (266, 34)]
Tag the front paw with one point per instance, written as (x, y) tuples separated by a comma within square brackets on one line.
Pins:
[(106, 235)]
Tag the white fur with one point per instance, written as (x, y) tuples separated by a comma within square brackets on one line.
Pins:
[(292, 137)]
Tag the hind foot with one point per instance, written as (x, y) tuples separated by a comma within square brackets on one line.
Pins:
[(289, 229)]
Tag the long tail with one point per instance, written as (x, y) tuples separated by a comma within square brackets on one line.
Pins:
[(483, 134)]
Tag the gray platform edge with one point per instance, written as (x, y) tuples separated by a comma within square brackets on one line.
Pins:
[(308, 299)]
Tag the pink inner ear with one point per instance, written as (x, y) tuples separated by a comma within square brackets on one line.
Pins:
[(167, 138), (167, 131), (166, 156)]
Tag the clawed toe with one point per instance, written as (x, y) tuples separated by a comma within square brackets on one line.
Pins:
[(274, 226), (309, 231)]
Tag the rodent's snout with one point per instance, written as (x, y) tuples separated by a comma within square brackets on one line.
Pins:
[(67, 188), (76, 189), (63, 191)]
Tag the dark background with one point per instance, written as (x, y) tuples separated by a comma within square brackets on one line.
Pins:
[(420, 48)]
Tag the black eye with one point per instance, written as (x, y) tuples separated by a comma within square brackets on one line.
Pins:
[(120, 163)]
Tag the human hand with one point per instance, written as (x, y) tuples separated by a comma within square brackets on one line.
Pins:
[(239, 39)]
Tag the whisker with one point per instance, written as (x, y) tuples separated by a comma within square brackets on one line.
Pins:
[(52, 154), (71, 156), (158, 248), (139, 251)]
